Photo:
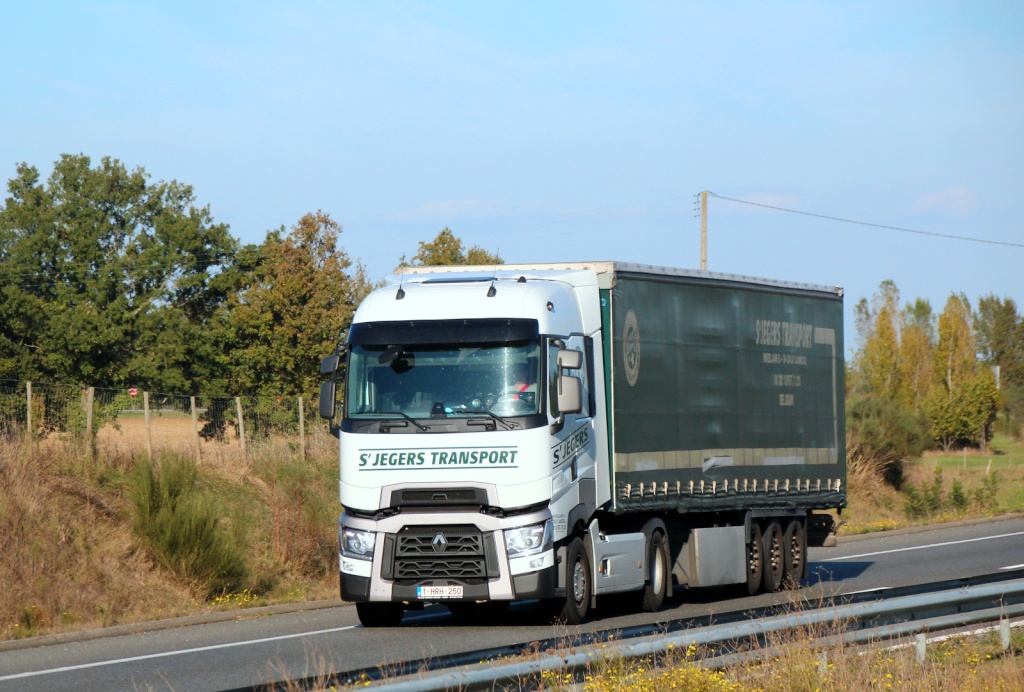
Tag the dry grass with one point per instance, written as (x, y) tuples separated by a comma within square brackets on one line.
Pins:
[(794, 662), (71, 560), (877, 506)]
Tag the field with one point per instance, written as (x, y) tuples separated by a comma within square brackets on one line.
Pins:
[(992, 482)]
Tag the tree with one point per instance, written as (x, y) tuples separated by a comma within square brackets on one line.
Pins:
[(963, 403), (446, 249), (109, 279), (1000, 332), (878, 361), (956, 351), (292, 310), (917, 341)]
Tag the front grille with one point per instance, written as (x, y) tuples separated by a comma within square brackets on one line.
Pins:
[(440, 552)]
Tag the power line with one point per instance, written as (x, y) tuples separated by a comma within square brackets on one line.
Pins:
[(865, 223)]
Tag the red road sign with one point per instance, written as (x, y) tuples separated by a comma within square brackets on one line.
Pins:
[(132, 392)]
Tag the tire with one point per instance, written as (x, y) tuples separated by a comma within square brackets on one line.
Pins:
[(658, 574), (774, 558), (794, 546), (755, 564), (380, 614), (578, 587)]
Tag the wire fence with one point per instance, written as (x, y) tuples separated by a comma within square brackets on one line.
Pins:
[(154, 421)]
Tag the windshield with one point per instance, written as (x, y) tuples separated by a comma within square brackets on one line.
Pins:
[(444, 380)]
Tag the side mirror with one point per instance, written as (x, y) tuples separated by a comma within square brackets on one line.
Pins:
[(570, 394), (328, 390), (329, 365), (327, 398), (570, 359)]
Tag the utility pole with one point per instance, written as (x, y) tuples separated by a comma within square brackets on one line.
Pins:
[(704, 230)]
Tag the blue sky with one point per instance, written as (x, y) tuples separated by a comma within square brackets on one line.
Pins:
[(560, 131)]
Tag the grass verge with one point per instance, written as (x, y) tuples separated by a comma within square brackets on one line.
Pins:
[(940, 488), (99, 540)]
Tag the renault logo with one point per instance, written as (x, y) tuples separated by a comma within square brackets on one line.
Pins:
[(439, 543)]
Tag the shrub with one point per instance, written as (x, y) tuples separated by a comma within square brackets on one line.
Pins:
[(880, 434), (957, 497), (180, 526), (985, 496)]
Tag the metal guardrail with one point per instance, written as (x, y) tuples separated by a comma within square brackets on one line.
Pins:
[(863, 622)]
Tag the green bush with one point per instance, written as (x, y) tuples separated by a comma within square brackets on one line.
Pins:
[(957, 497), (180, 526), (985, 496), (880, 434)]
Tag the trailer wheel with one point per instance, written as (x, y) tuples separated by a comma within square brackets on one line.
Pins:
[(755, 561), (774, 556), (577, 584), (657, 573), (380, 614), (794, 544)]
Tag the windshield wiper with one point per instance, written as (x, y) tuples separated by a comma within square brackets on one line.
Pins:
[(482, 412), (383, 424)]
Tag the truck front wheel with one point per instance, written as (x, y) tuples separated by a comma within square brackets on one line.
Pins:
[(578, 586), (380, 614), (657, 573)]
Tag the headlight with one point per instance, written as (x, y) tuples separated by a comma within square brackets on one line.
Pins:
[(357, 544), (528, 540)]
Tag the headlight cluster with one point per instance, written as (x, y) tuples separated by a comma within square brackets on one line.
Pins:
[(357, 544), (529, 540)]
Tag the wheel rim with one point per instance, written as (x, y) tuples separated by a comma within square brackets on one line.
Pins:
[(796, 552), (579, 582), (657, 569), (775, 556), (753, 557)]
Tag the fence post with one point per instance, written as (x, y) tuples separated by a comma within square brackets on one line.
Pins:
[(149, 432), (302, 430), (195, 426), (241, 424), (28, 410), (90, 439)]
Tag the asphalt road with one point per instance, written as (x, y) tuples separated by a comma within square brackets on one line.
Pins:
[(254, 650)]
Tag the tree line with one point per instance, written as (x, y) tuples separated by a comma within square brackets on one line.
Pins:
[(110, 279), (918, 379)]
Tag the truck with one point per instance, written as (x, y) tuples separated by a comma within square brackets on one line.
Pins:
[(679, 429)]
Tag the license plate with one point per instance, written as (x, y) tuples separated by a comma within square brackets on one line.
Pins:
[(428, 592)]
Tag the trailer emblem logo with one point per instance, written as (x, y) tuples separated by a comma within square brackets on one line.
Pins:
[(631, 348), (439, 543)]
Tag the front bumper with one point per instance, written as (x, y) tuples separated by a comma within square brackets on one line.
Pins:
[(525, 587), (408, 554)]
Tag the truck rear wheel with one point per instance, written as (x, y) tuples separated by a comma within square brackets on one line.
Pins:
[(578, 587), (755, 560), (774, 558), (657, 574), (794, 544), (380, 614)]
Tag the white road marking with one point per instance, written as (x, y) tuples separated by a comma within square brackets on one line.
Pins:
[(923, 547), (213, 647), (877, 588), (1013, 567)]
